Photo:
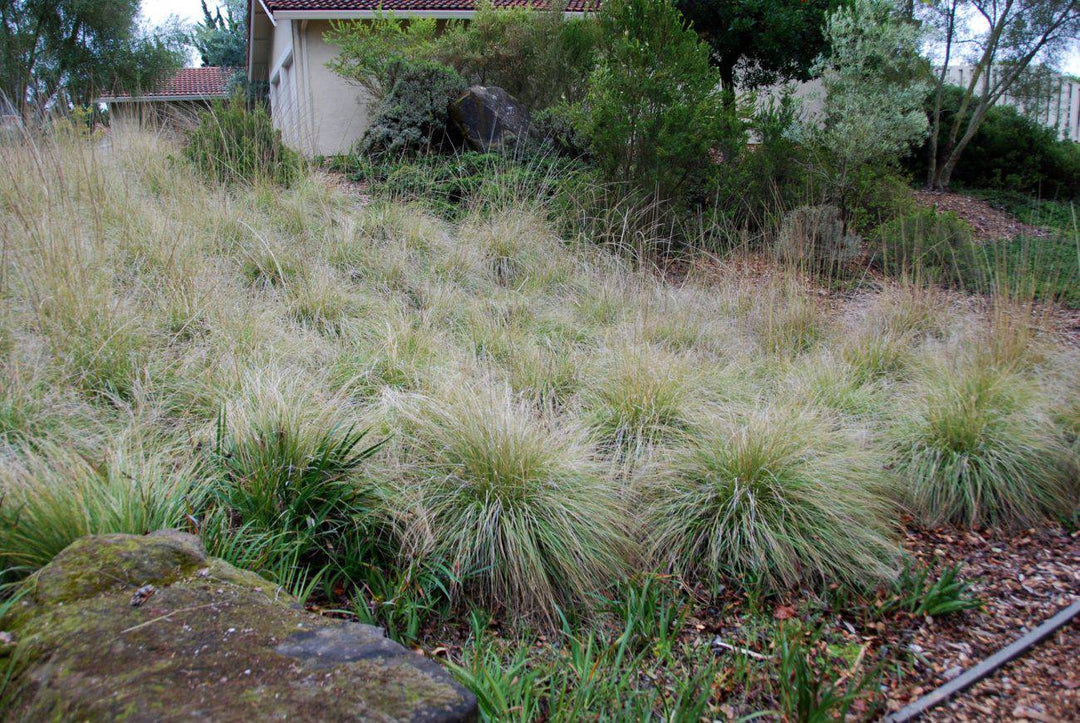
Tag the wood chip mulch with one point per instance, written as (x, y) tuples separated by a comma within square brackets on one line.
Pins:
[(988, 223), (1023, 579)]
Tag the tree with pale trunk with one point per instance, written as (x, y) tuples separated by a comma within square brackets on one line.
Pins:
[(63, 53), (1007, 38)]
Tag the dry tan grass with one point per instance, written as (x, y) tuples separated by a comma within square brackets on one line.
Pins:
[(135, 295)]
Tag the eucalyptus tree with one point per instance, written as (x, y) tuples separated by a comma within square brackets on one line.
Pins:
[(1004, 40), (59, 53)]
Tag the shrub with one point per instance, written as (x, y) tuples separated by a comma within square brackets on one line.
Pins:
[(455, 184), (769, 497), (536, 55), (923, 243), (874, 83), (815, 238), (1008, 151), (513, 502), (371, 52), (412, 114), (652, 111), (235, 144), (976, 449)]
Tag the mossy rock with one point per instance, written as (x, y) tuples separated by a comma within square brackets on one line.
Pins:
[(149, 628)]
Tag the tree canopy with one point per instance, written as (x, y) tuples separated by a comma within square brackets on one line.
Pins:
[(221, 38), (760, 42), (58, 52)]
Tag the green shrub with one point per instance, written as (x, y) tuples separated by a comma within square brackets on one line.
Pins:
[(923, 243), (1009, 151), (370, 51), (235, 144), (653, 111), (977, 449), (769, 498), (454, 184), (557, 128), (412, 114), (538, 56)]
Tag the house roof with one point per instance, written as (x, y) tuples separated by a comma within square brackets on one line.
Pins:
[(275, 6), (184, 84)]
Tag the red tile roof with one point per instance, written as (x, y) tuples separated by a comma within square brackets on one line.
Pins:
[(415, 5), (187, 83)]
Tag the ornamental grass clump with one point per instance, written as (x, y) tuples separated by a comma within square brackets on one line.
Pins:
[(772, 498), (640, 396), (290, 462), (977, 448), (51, 495), (512, 501)]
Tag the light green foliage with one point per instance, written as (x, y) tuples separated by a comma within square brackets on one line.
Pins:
[(774, 497), (536, 55), (874, 89), (371, 51), (653, 107)]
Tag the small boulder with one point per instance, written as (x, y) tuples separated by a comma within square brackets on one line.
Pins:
[(210, 642), (489, 118)]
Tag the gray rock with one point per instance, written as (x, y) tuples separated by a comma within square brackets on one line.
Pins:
[(211, 643), (489, 118)]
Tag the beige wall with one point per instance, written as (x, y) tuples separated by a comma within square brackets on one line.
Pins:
[(318, 112)]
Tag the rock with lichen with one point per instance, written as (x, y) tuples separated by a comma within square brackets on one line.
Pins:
[(150, 628)]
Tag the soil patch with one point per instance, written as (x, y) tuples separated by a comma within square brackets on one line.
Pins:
[(987, 222)]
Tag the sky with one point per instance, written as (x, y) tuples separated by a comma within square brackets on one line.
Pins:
[(157, 11)]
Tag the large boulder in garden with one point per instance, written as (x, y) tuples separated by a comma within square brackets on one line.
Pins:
[(489, 118), (150, 628)]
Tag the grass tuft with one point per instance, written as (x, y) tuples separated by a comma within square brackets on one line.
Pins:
[(512, 501), (977, 448), (771, 497)]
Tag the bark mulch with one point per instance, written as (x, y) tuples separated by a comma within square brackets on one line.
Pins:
[(1022, 579), (988, 223)]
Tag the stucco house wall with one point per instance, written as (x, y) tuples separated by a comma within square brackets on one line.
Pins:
[(317, 111)]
